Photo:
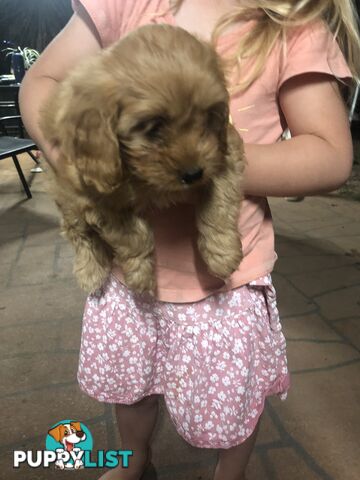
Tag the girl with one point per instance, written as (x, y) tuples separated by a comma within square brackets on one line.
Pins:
[(214, 350)]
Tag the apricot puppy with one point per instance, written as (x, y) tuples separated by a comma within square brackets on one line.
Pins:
[(145, 122)]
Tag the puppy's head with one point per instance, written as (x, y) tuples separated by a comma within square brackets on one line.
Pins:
[(174, 116), (155, 105)]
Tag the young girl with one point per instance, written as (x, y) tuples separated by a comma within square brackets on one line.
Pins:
[(214, 350)]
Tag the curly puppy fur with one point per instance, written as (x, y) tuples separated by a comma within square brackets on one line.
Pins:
[(145, 123)]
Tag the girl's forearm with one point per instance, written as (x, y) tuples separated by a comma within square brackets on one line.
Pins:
[(303, 165)]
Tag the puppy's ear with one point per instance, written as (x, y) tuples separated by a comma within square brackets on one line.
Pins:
[(218, 120), (81, 119), (90, 142), (218, 115)]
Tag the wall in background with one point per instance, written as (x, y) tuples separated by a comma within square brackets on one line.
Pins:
[(31, 23)]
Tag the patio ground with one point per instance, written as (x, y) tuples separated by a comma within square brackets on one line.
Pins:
[(313, 435)]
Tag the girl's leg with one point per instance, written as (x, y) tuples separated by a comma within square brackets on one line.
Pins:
[(136, 423), (232, 462)]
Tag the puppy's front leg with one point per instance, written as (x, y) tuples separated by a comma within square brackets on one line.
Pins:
[(132, 241), (93, 257), (218, 214)]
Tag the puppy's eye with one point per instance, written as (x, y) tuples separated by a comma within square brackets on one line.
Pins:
[(151, 128)]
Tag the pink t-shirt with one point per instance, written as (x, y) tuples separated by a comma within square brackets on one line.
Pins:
[(181, 273)]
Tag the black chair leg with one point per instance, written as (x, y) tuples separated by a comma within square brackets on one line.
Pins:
[(21, 175), (36, 160)]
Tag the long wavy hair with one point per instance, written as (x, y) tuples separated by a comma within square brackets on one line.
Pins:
[(274, 18)]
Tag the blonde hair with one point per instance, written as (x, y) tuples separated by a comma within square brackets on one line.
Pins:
[(274, 18)]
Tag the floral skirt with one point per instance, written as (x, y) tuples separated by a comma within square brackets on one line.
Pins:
[(214, 361)]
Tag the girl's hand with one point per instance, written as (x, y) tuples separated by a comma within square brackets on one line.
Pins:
[(51, 154)]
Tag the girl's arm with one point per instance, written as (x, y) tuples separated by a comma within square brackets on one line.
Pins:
[(78, 39), (318, 157)]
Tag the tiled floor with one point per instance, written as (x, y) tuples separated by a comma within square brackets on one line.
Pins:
[(314, 434)]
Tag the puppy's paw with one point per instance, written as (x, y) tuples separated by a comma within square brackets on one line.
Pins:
[(90, 276), (221, 254)]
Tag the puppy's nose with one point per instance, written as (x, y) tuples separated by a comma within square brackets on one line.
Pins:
[(192, 175), (80, 434)]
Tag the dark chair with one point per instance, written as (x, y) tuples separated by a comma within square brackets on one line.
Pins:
[(11, 146), (7, 79), (9, 97), (9, 103)]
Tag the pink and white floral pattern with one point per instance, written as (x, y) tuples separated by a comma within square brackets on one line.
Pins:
[(215, 361)]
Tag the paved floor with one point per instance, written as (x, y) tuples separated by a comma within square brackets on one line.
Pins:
[(314, 435)]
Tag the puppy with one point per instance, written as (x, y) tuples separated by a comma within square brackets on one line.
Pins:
[(144, 124)]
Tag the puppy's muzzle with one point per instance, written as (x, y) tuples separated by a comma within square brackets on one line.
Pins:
[(191, 176)]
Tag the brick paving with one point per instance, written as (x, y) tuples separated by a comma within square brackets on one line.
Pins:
[(314, 435)]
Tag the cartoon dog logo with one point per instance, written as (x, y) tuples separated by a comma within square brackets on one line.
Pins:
[(68, 435)]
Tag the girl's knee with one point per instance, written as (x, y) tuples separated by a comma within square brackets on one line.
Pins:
[(149, 401)]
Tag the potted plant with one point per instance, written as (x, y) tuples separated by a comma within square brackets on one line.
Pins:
[(21, 60)]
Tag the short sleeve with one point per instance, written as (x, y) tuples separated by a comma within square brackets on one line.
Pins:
[(108, 16), (313, 49)]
